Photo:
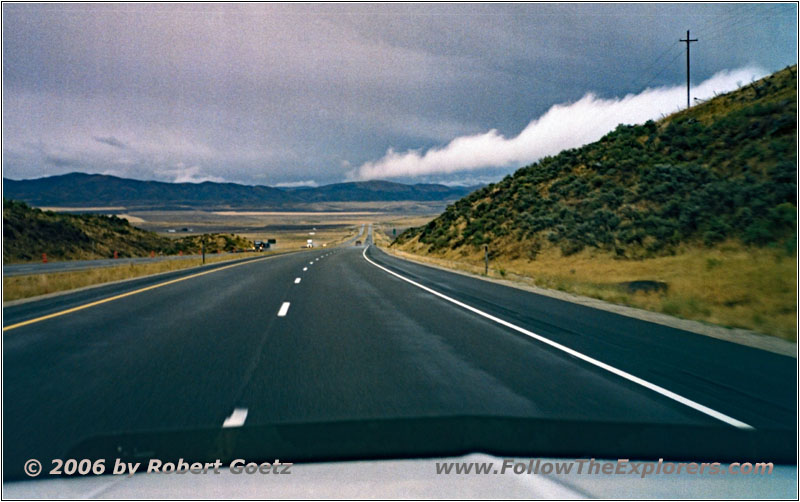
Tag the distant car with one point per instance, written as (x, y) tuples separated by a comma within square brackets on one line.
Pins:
[(310, 243), (358, 243), (260, 245)]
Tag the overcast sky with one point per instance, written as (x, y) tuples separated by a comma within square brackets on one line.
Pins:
[(313, 94)]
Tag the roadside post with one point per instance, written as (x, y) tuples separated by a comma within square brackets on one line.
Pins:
[(486, 259), (203, 249), (44, 257)]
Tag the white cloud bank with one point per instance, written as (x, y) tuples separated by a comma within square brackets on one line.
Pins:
[(192, 174), (297, 184), (562, 126)]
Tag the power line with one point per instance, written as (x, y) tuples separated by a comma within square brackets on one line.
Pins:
[(664, 68), (658, 58), (740, 20), (737, 19), (654, 64), (721, 21)]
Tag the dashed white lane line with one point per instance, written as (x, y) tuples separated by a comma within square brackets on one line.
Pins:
[(297, 281), (236, 419), (305, 268), (311, 263), (284, 309), (574, 353)]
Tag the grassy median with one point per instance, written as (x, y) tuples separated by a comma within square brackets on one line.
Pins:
[(25, 286)]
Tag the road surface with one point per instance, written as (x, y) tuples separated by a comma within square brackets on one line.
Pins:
[(341, 333)]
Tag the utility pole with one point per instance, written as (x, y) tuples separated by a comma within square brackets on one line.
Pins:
[(688, 42)]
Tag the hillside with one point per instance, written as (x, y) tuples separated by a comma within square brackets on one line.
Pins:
[(82, 190), (725, 169), (29, 232), (700, 205)]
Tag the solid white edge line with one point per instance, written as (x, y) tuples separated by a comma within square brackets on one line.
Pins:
[(624, 374), (284, 309), (236, 419), (297, 280)]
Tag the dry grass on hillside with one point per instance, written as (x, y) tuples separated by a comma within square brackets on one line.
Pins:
[(729, 285)]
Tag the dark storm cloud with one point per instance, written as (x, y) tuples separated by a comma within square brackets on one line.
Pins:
[(111, 141), (278, 93)]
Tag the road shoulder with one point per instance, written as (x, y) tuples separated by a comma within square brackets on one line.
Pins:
[(734, 335)]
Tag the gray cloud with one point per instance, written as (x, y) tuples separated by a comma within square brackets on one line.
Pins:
[(62, 162), (280, 93), (111, 141)]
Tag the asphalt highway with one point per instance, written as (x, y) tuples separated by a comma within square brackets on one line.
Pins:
[(341, 333)]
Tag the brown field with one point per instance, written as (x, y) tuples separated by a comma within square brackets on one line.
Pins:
[(291, 214), (291, 229), (88, 209)]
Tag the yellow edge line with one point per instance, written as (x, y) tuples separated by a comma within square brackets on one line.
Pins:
[(123, 295)]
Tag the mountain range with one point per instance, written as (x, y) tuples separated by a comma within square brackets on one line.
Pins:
[(82, 190)]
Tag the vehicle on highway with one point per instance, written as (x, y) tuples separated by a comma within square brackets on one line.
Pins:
[(260, 245)]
